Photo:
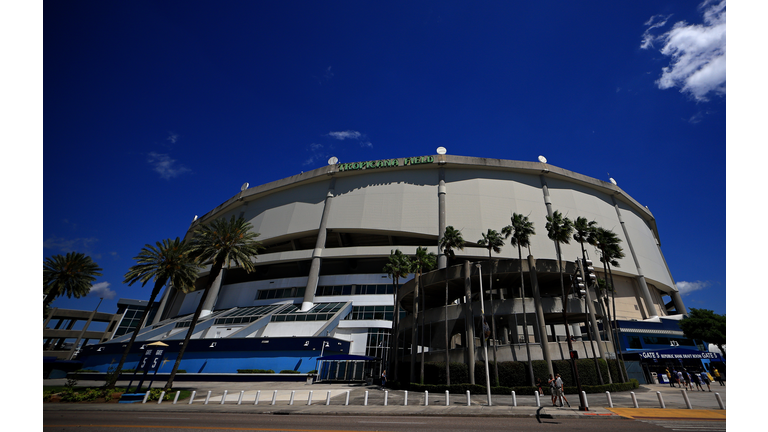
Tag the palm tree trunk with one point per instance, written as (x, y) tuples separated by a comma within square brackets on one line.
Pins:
[(155, 291), (525, 318), (447, 338), (589, 322), (624, 376), (393, 337), (607, 305), (421, 367), (493, 317), (414, 329), (50, 297), (215, 270)]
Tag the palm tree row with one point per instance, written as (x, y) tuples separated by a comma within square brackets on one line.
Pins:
[(559, 230), (400, 265), (225, 242), (218, 244)]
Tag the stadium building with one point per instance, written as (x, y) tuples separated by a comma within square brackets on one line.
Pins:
[(319, 288)]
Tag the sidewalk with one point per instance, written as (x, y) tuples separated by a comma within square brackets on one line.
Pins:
[(704, 404)]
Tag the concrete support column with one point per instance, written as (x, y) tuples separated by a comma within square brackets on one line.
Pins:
[(442, 260), (314, 269), (469, 318), (640, 279), (505, 330), (678, 302), (545, 190), (213, 295), (163, 303), (540, 314)]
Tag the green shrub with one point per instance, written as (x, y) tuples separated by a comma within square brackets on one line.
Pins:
[(154, 394), (251, 371), (289, 371)]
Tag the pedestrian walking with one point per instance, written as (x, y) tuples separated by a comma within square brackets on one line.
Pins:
[(705, 378), (718, 378), (696, 380), (670, 379), (552, 389), (561, 390), (687, 378), (384, 378), (679, 379), (538, 386)]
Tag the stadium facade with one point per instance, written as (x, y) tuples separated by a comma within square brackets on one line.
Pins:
[(320, 289)]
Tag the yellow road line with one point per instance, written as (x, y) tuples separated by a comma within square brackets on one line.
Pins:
[(199, 427), (646, 413)]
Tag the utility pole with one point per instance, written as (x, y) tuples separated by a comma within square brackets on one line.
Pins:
[(482, 336)]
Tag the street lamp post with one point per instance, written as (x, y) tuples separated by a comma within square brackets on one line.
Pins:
[(325, 344), (482, 336)]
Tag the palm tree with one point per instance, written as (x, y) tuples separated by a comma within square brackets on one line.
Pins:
[(493, 241), (422, 261), (520, 233), (585, 233), (398, 265), (72, 275), (220, 244), (169, 260), (559, 230), (451, 240), (608, 244)]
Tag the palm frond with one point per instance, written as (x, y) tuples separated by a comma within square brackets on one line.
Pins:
[(72, 275)]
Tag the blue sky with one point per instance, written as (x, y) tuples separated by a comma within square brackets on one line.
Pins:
[(155, 112)]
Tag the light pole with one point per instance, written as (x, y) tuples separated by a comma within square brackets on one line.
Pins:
[(325, 344), (482, 336), (571, 352)]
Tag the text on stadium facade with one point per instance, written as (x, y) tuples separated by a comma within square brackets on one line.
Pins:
[(385, 163)]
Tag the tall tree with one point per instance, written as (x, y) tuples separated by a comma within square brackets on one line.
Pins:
[(493, 241), (398, 266), (451, 240), (219, 244), (705, 325), (72, 275), (559, 230), (608, 244), (519, 233), (168, 260), (584, 232), (422, 261)]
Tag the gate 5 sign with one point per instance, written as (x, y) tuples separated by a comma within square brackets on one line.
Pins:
[(151, 360)]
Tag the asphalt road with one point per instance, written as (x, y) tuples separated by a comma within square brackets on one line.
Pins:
[(191, 422)]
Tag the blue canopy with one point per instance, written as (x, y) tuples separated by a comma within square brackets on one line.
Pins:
[(347, 357)]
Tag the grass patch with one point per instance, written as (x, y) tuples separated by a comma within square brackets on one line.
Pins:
[(100, 394)]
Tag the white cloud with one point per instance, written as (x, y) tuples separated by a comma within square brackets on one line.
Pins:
[(69, 245), (697, 52), (316, 154), (165, 166), (102, 290), (353, 135), (654, 22), (350, 134), (172, 137), (688, 287)]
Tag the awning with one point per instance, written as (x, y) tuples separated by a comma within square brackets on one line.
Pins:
[(678, 354), (347, 357)]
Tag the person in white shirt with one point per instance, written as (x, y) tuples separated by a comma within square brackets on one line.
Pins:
[(561, 390)]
